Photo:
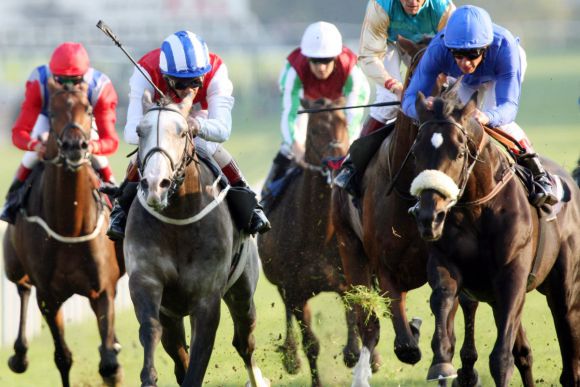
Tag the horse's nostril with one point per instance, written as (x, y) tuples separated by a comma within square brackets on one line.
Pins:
[(84, 145), (165, 183), (65, 145)]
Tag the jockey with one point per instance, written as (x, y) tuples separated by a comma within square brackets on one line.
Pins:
[(182, 65), (491, 60), (69, 64), (380, 56), (320, 68)]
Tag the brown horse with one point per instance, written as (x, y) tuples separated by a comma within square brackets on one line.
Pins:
[(380, 242), (58, 243), (484, 237), (300, 255), (184, 253)]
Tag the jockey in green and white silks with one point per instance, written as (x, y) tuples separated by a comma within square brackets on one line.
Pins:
[(298, 79), (379, 55)]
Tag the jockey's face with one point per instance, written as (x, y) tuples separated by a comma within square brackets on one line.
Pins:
[(412, 7), (321, 67), (467, 61), (184, 86)]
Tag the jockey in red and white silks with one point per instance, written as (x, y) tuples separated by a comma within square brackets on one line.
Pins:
[(303, 77)]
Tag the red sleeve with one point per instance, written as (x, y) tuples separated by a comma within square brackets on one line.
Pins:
[(105, 118), (29, 112)]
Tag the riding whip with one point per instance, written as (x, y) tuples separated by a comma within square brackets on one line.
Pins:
[(392, 103), (107, 30)]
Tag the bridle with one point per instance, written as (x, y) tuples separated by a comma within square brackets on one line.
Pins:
[(322, 168), (61, 159), (188, 155)]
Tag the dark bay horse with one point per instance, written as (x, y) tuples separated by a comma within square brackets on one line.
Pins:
[(380, 247), (184, 253), (300, 255), (58, 243), (484, 237)]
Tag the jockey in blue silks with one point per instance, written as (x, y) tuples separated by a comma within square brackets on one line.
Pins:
[(491, 60)]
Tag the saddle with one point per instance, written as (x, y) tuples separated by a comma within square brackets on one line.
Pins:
[(277, 188)]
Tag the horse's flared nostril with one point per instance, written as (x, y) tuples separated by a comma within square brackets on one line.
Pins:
[(84, 145), (440, 217), (165, 183)]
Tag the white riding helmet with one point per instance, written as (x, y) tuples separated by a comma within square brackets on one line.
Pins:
[(321, 40)]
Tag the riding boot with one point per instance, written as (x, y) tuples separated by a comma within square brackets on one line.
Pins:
[(360, 153), (259, 223), (126, 194), (543, 192), (345, 177), (12, 203), (279, 167)]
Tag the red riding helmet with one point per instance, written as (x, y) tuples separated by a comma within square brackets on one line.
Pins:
[(69, 59)]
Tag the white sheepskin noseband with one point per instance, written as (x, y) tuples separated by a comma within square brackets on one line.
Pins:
[(435, 180)]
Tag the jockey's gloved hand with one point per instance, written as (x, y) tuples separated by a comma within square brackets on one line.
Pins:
[(194, 125), (111, 190)]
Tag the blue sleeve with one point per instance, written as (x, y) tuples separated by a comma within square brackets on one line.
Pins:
[(508, 85), (423, 79)]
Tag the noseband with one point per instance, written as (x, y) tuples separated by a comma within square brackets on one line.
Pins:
[(177, 169)]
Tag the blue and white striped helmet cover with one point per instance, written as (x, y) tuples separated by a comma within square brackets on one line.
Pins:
[(184, 55)]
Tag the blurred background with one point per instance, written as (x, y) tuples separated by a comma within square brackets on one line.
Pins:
[(254, 37)]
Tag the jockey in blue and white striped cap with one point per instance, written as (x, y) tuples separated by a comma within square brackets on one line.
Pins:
[(184, 55)]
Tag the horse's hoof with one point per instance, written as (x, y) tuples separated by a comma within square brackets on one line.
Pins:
[(18, 364), (264, 383), (290, 360), (350, 357), (408, 355), (113, 378), (465, 380), (441, 371)]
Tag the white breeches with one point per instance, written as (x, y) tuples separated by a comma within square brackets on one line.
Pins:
[(392, 63)]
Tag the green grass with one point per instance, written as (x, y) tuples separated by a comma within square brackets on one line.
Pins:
[(550, 115)]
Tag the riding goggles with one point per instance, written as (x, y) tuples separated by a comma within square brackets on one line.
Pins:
[(467, 54), (320, 60), (184, 83), (64, 80)]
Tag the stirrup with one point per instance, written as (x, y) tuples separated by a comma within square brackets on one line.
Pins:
[(259, 222), (344, 180)]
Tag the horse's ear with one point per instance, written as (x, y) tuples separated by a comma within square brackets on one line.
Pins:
[(421, 107), (147, 100), (407, 46), (185, 105), (339, 102), (470, 106), (53, 85)]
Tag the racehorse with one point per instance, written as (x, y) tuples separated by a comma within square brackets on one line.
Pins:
[(58, 243), (300, 255), (484, 237), (184, 253), (379, 244)]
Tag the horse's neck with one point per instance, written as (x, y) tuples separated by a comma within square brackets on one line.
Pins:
[(69, 205), (487, 173), (403, 137)]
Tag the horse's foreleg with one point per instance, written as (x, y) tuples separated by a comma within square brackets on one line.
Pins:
[(104, 308), (19, 361), (146, 297), (523, 357), (442, 302), (310, 343), (406, 334), (173, 340), (356, 270), (289, 349), (351, 350), (204, 323), (467, 375), (54, 318), (240, 302)]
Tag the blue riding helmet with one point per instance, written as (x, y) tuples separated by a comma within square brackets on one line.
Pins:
[(184, 55), (469, 27)]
